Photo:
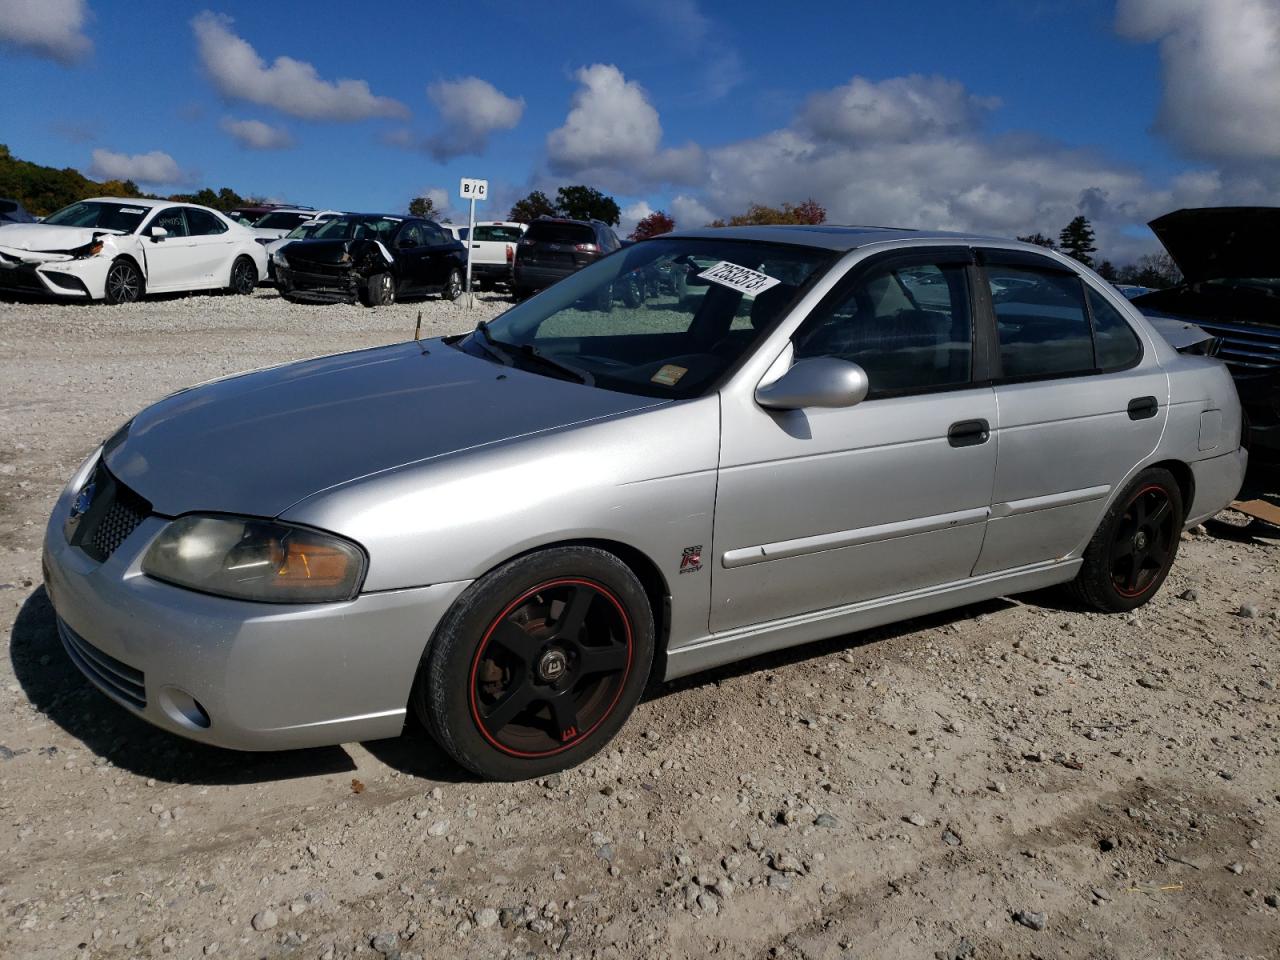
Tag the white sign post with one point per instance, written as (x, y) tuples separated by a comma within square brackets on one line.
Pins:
[(472, 190)]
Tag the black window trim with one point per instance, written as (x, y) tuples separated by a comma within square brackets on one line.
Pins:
[(979, 338), (995, 256)]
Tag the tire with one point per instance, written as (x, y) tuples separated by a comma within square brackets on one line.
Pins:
[(632, 292), (502, 686), (1134, 546), (452, 284), (244, 276), (124, 282), (379, 290)]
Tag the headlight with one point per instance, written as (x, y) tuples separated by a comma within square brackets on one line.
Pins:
[(255, 560), (278, 259)]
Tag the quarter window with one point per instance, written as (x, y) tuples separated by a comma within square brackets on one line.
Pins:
[(1042, 322), (909, 327), (202, 223), (1116, 344)]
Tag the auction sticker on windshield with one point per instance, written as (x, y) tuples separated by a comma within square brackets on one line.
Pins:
[(747, 282)]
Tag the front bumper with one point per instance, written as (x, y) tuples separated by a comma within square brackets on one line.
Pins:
[(312, 287), (73, 279), (265, 676)]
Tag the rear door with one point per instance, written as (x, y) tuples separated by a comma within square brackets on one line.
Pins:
[(441, 253), (411, 256), (212, 246), (1080, 405)]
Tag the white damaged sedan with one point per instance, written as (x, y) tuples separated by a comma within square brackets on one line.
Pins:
[(118, 249)]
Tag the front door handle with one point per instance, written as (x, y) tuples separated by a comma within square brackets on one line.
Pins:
[(1143, 408), (968, 433)]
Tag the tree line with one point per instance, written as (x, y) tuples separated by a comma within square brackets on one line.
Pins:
[(1076, 240)]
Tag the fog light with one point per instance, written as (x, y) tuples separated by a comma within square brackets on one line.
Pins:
[(184, 709)]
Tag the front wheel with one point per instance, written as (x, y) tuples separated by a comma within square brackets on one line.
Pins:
[(453, 284), (379, 290), (124, 282), (538, 664), (244, 276), (1135, 545)]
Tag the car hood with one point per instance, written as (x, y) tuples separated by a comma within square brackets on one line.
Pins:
[(1211, 243), (46, 238), (259, 442)]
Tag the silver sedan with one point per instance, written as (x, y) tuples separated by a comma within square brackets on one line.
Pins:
[(706, 446)]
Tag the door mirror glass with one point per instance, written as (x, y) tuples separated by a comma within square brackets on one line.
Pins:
[(819, 382), (158, 233)]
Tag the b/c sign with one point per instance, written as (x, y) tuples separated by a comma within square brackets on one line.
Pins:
[(473, 189)]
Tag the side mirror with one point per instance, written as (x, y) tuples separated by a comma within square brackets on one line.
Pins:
[(158, 233), (820, 382)]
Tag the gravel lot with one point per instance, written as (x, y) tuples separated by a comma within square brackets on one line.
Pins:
[(1018, 779)]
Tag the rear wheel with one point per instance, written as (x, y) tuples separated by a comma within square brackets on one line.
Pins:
[(453, 284), (1135, 545), (124, 282), (379, 290), (244, 276), (538, 664)]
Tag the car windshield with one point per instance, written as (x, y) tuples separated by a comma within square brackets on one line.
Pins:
[(302, 231), (102, 215), (496, 233), (358, 228), (282, 221), (654, 319)]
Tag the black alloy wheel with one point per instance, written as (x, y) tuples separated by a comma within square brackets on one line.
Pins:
[(453, 284), (1134, 547), (244, 276), (1143, 541), (124, 282), (538, 663)]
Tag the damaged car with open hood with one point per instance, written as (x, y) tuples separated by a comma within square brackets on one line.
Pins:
[(1231, 290), (371, 258), (120, 249)]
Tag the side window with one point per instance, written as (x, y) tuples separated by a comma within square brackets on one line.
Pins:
[(201, 223), (1042, 323), (432, 235), (410, 236), (1116, 344), (171, 219), (909, 327)]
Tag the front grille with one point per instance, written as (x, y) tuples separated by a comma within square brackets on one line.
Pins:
[(1245, 345), (108, 674), (115, 512)]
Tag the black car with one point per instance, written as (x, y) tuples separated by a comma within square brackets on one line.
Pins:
[(11, 211), (552, 248), (373, 258), (1230, 288)]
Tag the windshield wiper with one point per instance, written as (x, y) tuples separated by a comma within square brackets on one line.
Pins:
[(582, 376), (501, 350), (493, 347)]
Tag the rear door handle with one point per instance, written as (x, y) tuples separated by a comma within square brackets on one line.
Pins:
[(968, 433), (1143, 408)]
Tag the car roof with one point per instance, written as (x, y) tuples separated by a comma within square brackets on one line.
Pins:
[(133, 201), (840, 238)]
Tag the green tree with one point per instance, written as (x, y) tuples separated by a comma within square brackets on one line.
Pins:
[(581, 202), (806, 212), (1076, 239), (1040, 240), (1107, 271), (535, 205), (422, 207), (1155, 270), (654, 225)]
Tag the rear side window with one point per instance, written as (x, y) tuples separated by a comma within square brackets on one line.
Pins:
[(1116, 344), (204, 224), (909, 327), (1042, 322), (552, 232)]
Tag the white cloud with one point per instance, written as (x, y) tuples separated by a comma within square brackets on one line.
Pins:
[(156, 167), (1221, 67), (898, 109), (46, 28), (613, 136), (471, 109), (689, 212), (632, 214), (290, 86), (256, 135)]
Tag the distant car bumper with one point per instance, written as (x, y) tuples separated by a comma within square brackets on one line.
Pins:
[(249, 676), (536, 278), (495, 272)]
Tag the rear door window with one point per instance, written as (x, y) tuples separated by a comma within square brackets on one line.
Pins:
[(1042, 321), (202, 223), (1116, 343)]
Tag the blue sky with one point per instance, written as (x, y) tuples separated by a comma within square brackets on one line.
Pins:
[(1006, 116)]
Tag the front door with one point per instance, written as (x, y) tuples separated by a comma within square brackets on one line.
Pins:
[(1080, 407), (817, 508), (172, 263)]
